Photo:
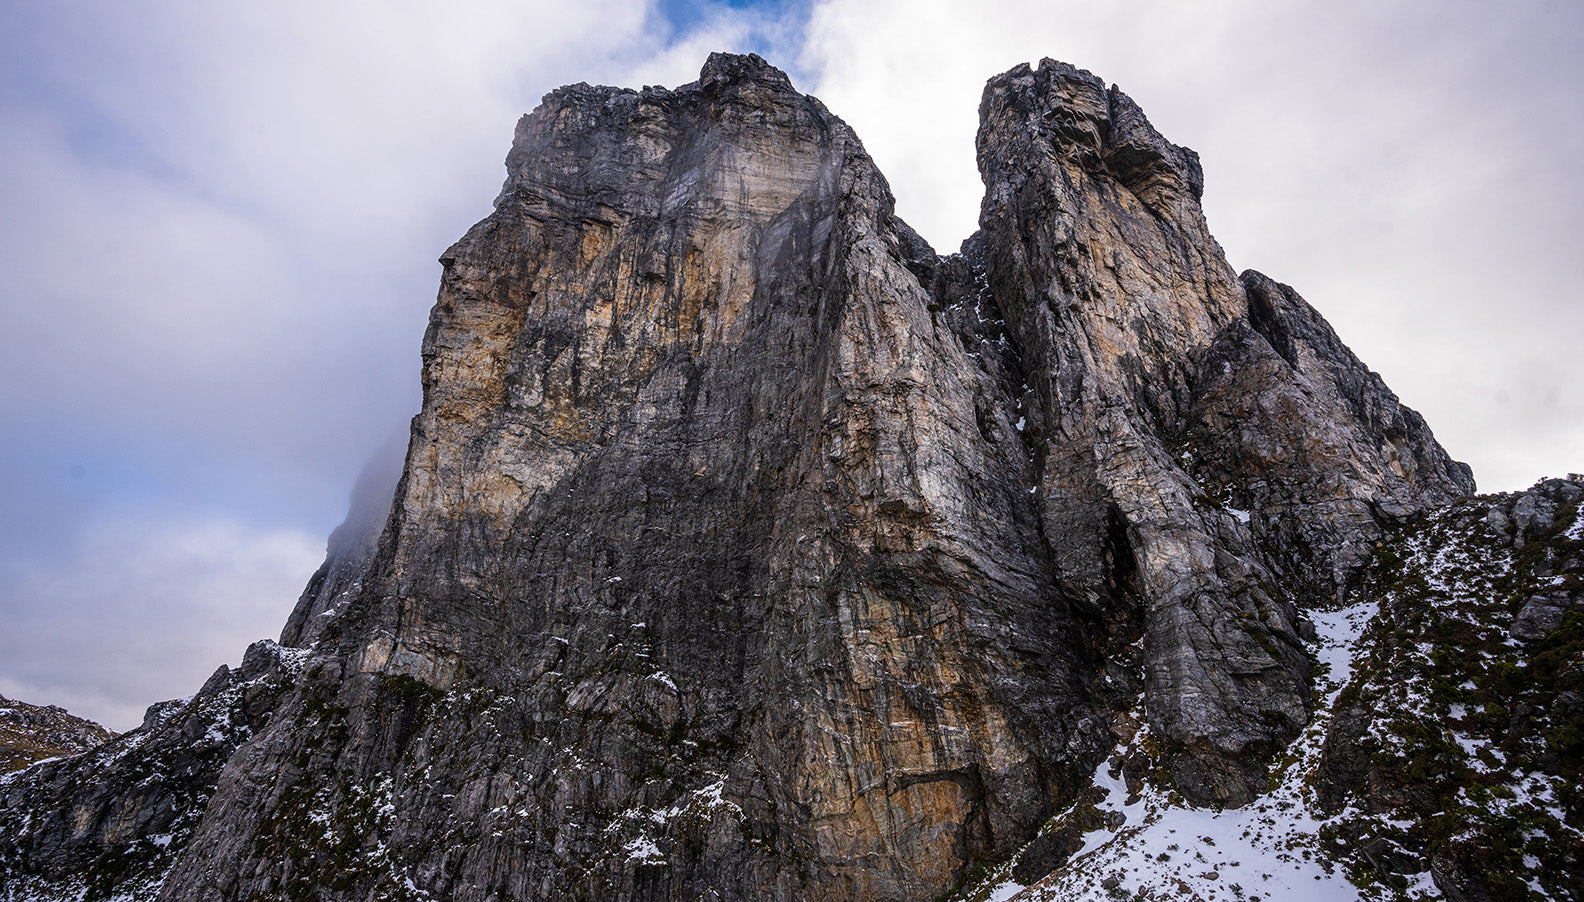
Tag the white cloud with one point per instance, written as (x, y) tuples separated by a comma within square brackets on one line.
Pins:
[(143, 608), (111, 271), (329, 118), (679, 63), (230, 182), (1408, 166), (222, 221)]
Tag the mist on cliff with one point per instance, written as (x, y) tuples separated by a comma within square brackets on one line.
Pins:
[(223, 224)]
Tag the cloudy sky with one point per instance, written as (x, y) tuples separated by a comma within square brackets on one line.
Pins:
[(221, 220)]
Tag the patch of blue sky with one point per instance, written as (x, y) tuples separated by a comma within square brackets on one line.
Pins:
[(776, 25)]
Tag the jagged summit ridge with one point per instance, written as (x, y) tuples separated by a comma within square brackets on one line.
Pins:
[(747, 546), (1097, 252), (735, 68), (1077, 115)]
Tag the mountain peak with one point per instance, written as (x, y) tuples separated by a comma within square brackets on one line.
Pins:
[(738, 68), (745, 548)]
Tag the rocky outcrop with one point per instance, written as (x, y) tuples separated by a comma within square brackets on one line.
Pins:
[(110, 821), (708, 508), (746, 548), (1209, 457), (30, 733), (1457, 748)]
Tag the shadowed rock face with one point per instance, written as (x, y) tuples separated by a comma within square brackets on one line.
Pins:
[(745, 546)]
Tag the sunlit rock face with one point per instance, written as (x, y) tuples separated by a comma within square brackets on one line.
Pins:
[(748, 549), (1209, 457)]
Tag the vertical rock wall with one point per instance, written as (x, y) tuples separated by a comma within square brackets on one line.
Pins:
[(712, 506), (747, 549), (1246, 483)]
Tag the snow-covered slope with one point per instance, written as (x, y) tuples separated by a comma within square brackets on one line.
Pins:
[(1150, 844), (1442, 760)]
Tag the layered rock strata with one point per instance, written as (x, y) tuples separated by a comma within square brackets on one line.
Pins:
[(747, 548), (1209, 457)]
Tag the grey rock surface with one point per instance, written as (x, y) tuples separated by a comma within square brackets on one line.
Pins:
[(112, 819), (1541, 614), (1208, 430), (748, 549)]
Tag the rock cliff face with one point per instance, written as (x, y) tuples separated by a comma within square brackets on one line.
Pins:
[(748, 549), (1443, 759), (1209, 458)]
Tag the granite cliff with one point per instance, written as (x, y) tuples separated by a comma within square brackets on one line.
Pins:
[(747, 548)]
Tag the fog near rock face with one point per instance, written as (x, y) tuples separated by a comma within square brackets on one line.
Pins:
[(222, 227), (219, 253)]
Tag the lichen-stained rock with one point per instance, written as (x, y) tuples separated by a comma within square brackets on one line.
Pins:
[(714, 557), (1190, 476), (1295, 427), (1457, 746), (747, 549)]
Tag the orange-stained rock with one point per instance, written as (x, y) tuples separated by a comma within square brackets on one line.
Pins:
[(748, 549)]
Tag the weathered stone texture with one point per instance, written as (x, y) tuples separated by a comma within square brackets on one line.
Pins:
[(746, 547), (704, 495), (1163, 413), (113, 818)]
